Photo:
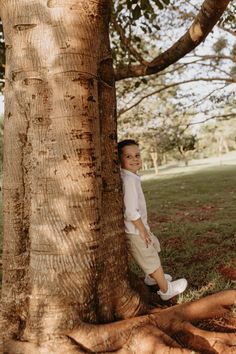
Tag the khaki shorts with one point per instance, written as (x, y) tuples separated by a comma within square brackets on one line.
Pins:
[(146, 257)]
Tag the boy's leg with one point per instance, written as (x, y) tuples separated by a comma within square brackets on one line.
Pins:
[(159, 277), (148, 258)]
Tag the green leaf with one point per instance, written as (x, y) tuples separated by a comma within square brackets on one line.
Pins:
[(143, 4), (129, 4), (159, 4), (137, 39), (144, 29), (119, 7), (157, 27), (136, 12)]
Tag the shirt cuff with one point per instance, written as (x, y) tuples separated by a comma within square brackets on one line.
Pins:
[(132, 216)]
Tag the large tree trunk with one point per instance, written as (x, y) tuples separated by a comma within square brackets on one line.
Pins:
[(64, 256), (60, 176)]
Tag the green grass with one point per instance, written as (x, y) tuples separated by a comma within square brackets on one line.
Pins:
[(194, 217)]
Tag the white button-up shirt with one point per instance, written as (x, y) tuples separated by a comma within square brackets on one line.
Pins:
[(134, 201)]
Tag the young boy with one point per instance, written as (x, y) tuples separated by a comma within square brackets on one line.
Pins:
[(143, 245)]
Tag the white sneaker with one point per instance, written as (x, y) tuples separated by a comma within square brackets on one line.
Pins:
[(150, 281), (174, 288)]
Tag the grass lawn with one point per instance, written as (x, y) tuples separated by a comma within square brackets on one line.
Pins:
[(194, 217)]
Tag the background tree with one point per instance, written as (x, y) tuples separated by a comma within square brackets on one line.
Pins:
[(197, 81), (63, 283), (217, 137), (160, 129)]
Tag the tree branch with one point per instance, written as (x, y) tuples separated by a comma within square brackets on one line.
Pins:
[(216, 56), (207, 17), (198, 101), (126, 41), (124, 110), (219, 117)]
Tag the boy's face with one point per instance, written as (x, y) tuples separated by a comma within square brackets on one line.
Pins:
[(130, 158)]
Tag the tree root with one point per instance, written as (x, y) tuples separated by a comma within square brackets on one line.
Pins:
[(64, 345), (171, 330), (164, 330)]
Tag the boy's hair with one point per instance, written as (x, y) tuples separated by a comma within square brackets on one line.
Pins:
[(124, 143)]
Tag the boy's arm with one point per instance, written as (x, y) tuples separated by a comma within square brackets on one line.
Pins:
[(142, 230), (131, 208)]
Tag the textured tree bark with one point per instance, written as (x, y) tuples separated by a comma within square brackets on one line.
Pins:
[(64, 257), (62, 243)]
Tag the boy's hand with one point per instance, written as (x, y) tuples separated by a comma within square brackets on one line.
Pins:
[(142, 231), (146, 238)]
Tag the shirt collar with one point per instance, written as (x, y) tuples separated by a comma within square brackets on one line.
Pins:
[(126, 172)]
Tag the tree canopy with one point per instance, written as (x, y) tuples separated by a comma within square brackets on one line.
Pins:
[(135, 22)]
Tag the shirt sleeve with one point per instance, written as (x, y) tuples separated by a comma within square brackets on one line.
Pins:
[(131, 211)]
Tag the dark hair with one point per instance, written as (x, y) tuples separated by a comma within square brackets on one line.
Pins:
[(124, 143)]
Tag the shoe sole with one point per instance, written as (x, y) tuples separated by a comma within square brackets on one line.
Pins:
[(152, 283), (173, 296)]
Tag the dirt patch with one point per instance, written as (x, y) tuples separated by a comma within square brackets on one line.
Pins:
[(156, 220), (229, 272), (200, 213), (209, 238), (202, 256), (192, 214), (172, 242)]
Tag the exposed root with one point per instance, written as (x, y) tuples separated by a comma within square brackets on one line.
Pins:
[(163, 331), (63, 346), (215, 305), (150, 339), (204, 341), (220, 324), (155, 333), (223, 349)]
